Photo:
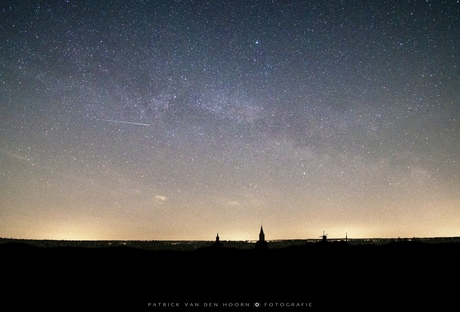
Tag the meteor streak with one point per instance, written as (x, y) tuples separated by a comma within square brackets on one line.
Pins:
[(125, 122)]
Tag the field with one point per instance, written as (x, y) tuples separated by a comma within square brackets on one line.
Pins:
[(307, 276)]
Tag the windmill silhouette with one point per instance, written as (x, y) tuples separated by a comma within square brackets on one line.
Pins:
[(324, 237)]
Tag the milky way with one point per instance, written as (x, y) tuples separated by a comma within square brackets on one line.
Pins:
[(180, 119)]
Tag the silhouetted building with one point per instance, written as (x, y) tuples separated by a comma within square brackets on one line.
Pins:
[(261, 243), (217, 243), (323, 238)]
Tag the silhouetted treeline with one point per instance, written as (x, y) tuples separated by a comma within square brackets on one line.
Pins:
[(192, 245)]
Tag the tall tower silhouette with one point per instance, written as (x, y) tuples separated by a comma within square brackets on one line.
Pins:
[(261, 234), (261, 243), (217, 243)]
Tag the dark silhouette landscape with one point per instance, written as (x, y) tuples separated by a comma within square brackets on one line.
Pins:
[(313, 276)]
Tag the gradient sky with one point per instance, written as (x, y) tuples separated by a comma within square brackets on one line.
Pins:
[(158, 120)]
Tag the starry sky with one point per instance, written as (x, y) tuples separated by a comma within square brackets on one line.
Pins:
[(175, 120)]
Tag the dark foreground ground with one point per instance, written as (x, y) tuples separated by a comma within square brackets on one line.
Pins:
[(398, 276)]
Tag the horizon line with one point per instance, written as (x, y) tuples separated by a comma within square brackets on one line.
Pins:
[(229, 240)]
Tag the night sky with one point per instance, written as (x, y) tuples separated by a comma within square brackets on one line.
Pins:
[(171, 120)]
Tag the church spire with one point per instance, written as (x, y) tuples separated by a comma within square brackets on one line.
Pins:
[(261, 234), (217, 243), (261, 243)]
